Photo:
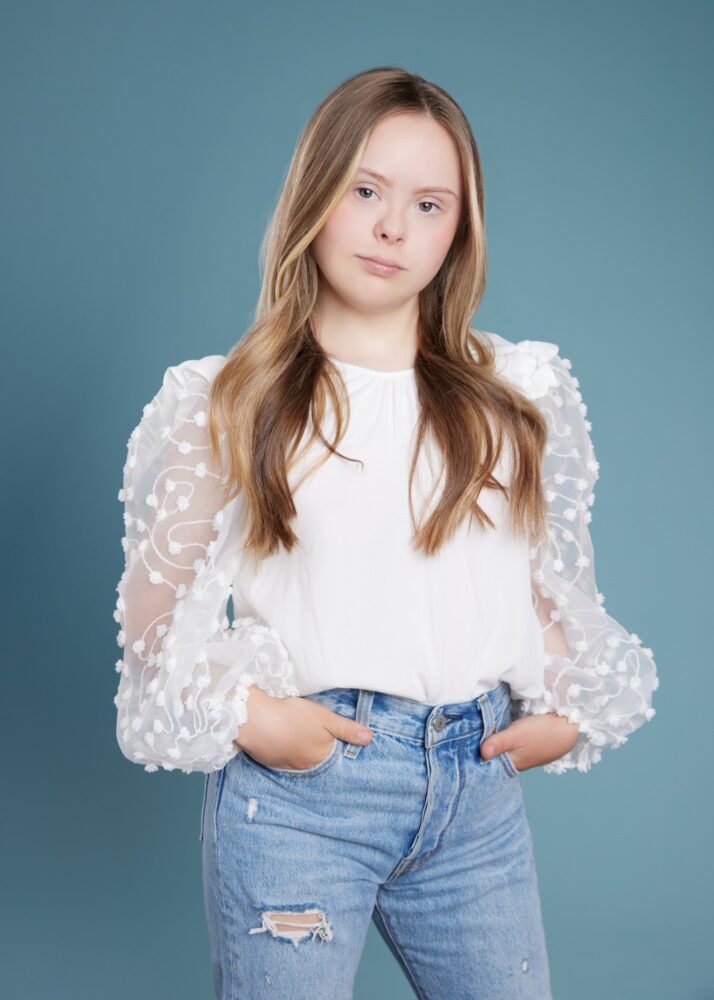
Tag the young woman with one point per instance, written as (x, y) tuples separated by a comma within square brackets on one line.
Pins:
[(397, 507)]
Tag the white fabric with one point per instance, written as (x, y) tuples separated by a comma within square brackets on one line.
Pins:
[(605, 683), (354, 604), (185, 670)]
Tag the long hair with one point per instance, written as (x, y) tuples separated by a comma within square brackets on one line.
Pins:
[(277, 379)]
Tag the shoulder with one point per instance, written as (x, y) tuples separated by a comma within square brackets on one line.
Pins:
[(200, 370), (184, 388), (533, 366), (537, 368)]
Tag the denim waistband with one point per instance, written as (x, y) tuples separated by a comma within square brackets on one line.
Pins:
[(414, 720)]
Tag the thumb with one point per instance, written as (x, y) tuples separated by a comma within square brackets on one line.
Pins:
[(348, 730), (491, 747)]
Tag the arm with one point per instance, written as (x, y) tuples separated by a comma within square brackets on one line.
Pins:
[(597, 674), (185, 670)]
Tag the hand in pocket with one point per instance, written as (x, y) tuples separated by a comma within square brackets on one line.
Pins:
[(293, 733)]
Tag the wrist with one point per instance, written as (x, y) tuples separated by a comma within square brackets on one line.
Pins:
[(256, 702), (571, 727)]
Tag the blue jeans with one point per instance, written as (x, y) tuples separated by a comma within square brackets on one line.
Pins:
[(415, 831)]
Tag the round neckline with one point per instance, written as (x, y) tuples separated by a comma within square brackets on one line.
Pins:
[(370, 371)]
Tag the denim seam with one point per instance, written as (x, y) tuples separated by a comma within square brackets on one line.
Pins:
[(414, 983), (508, 763), (411, 865), (203, 805), (220, 780), (221, 889)]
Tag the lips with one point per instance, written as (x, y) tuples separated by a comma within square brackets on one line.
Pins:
[(382, 261)]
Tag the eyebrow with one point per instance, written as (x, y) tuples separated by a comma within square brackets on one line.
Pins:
[(421, 190)]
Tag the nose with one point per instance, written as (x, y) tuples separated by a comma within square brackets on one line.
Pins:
[(390, 227)]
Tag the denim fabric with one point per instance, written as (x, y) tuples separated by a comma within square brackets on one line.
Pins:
[(415, 831)]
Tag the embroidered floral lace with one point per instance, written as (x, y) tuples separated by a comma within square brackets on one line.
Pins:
[(185, 670)]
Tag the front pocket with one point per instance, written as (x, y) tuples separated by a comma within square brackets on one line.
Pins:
[(300, 772), (508, 764), (502, 722)]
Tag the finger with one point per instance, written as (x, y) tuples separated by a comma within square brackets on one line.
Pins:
[(490, 748), (347, 729)]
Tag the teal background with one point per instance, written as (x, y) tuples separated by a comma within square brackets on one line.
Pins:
[(145, 144)]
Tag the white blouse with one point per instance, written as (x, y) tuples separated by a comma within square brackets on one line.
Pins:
[(354, 605)]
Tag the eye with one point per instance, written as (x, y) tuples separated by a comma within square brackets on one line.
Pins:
[(433, 204)]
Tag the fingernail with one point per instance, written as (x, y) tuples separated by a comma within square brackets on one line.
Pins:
[(363, 735), (487, 751)]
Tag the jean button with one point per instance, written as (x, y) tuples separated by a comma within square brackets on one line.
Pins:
[(439, 723)]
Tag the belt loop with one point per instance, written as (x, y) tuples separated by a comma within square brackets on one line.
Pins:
[(362, 713), (487, 716)]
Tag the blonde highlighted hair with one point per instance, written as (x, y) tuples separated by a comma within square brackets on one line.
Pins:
[(277, 378)]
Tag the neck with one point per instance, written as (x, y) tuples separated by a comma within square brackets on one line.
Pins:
[(385, 340)]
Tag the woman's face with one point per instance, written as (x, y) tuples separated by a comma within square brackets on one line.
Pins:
[(409, 215)]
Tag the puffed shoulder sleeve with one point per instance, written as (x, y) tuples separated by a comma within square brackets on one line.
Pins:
[(597, 674), (185, 669)]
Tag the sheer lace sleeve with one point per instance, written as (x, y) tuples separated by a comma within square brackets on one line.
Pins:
[(185, 669), (597, 674)]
